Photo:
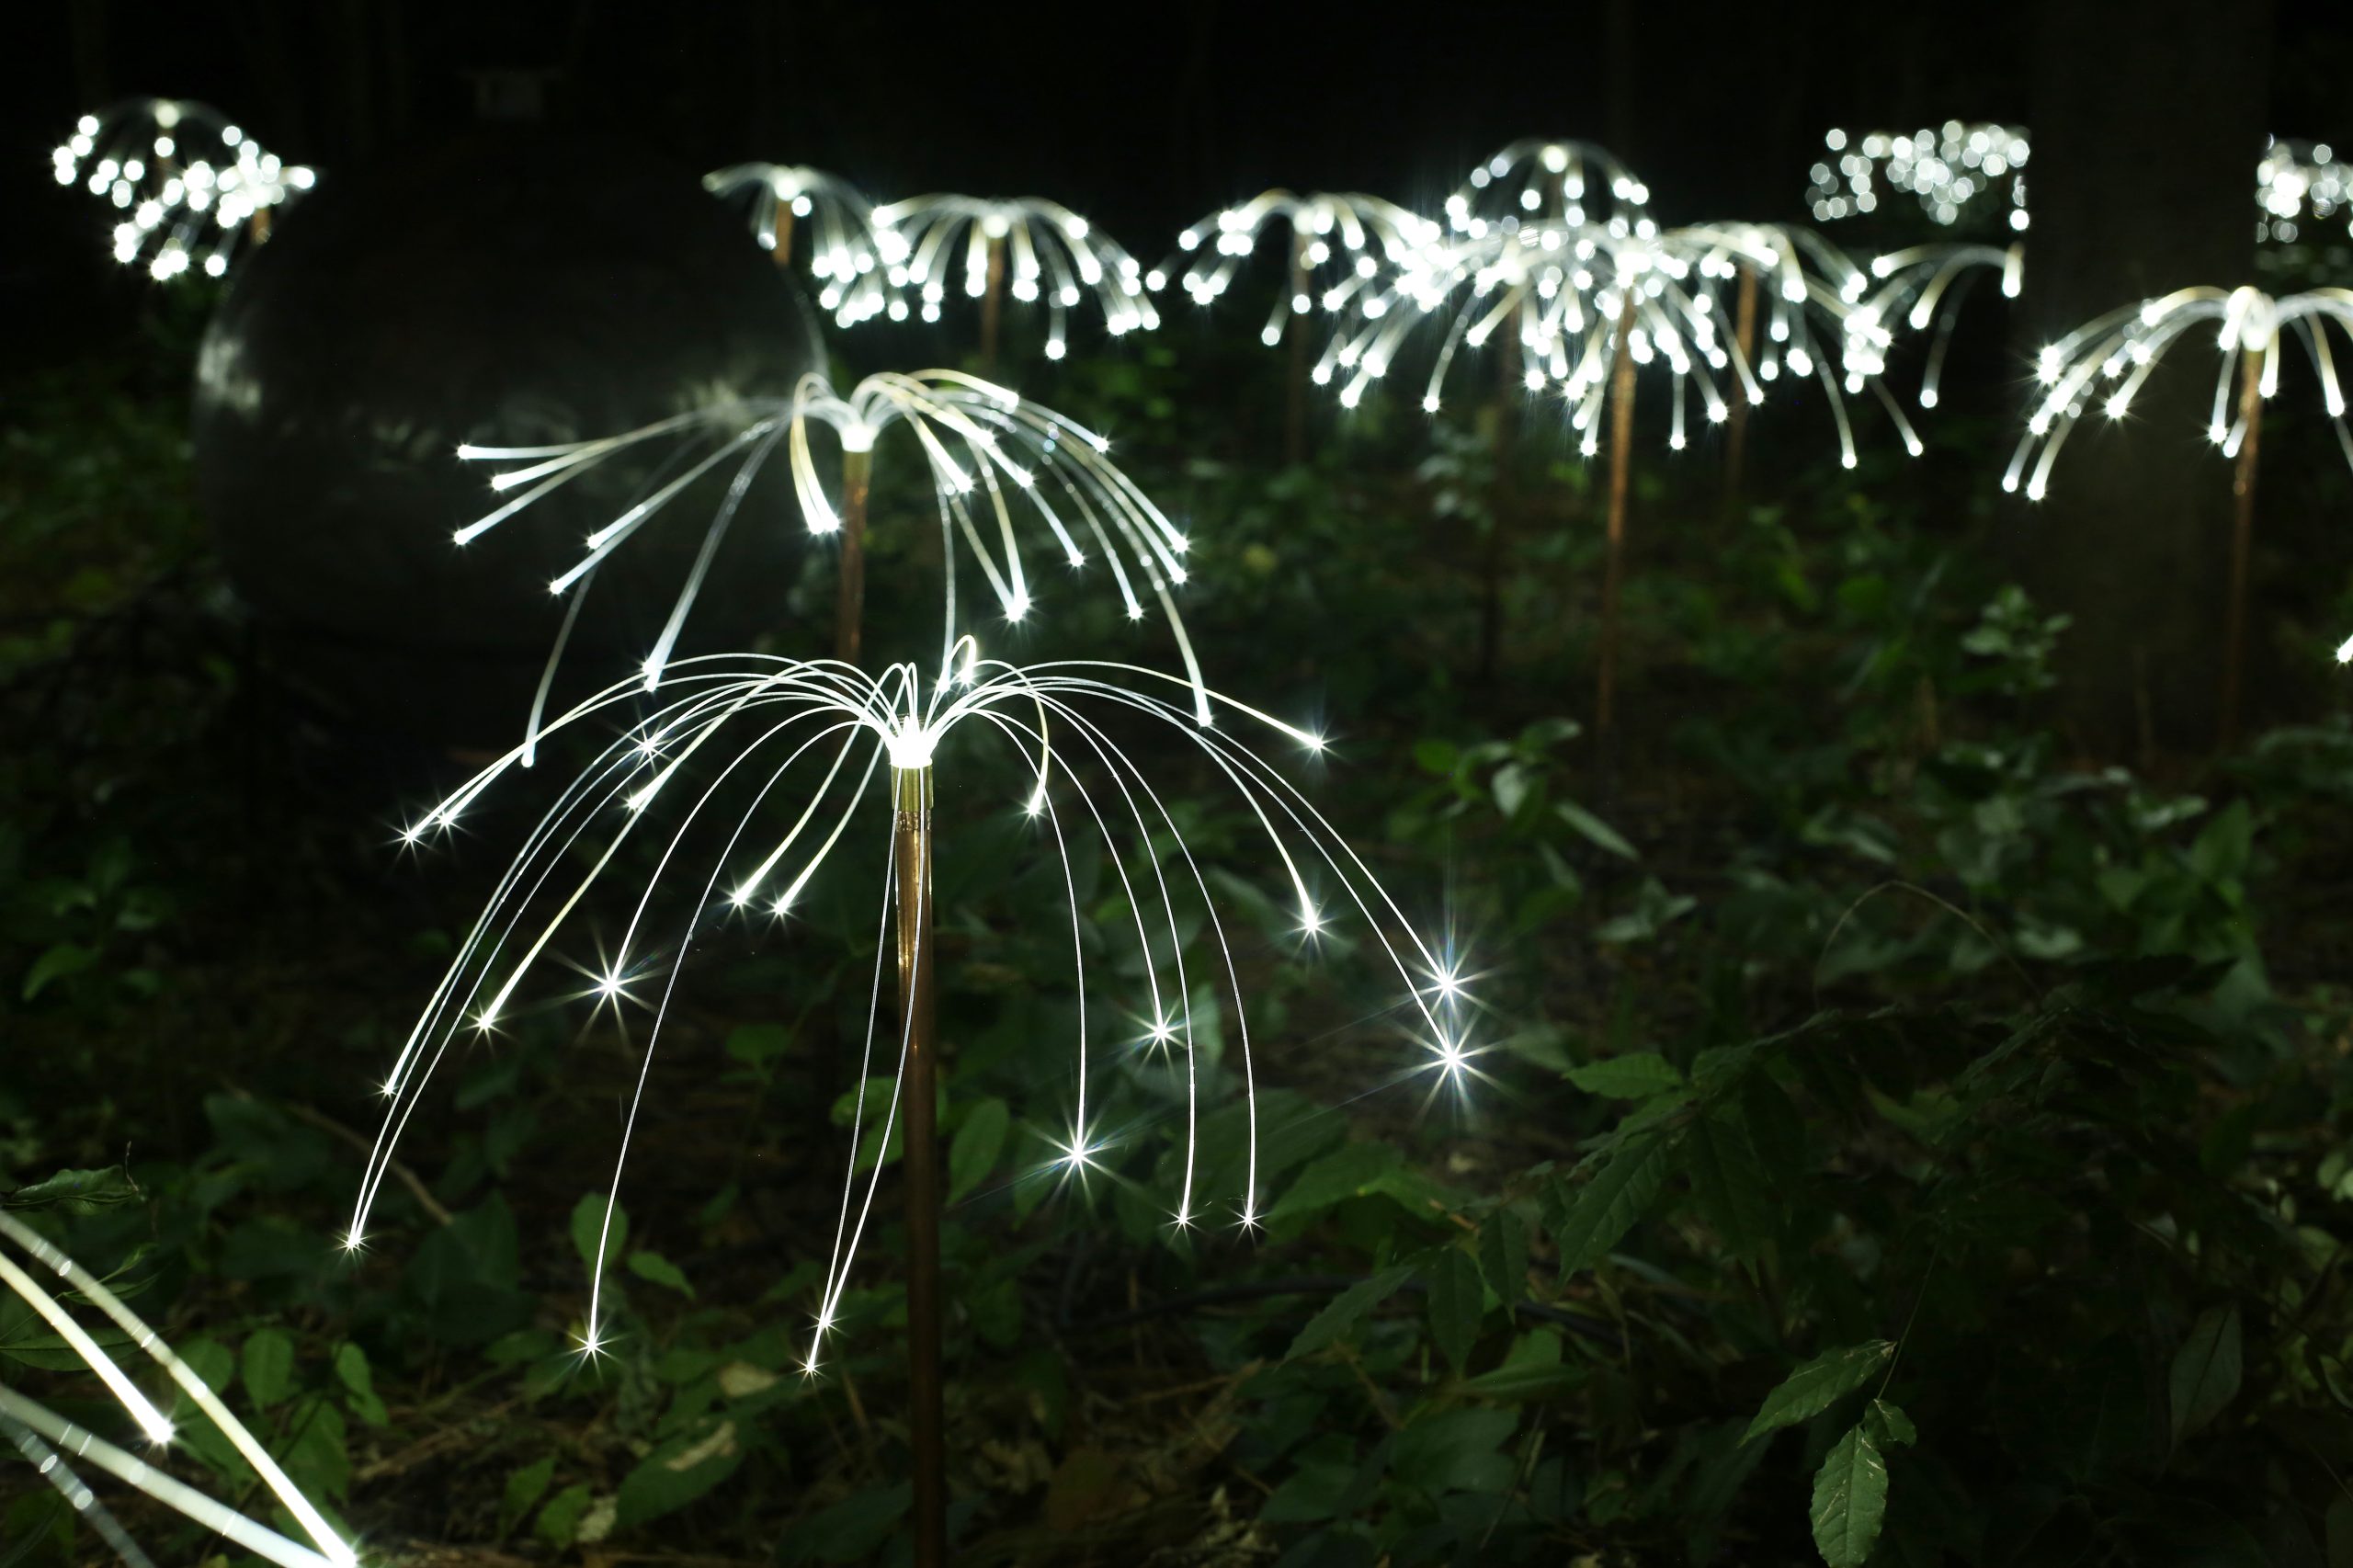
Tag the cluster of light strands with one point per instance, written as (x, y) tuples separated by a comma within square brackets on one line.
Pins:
[(1535, 181), (1924, 287), (740, 746), (825, 218), (1036, 249), (2106, 361), (56, 1447), (1340, 245), (1558, 294), (999, 464), (2295, 181), (1956, 172), (190, 185)]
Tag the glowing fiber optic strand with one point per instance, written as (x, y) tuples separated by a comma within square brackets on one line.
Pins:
[(1339, 246), (823, 217), (1541, 181), (1000, 467), (735, 745), (1037, 249), (54, 1444), (1925, 287), (1960, 172), (190, 185)]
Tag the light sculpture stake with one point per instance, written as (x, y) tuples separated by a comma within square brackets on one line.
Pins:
[(1622, 445), (849, 606), (2242, 538), (1736, 431), (911, 839)]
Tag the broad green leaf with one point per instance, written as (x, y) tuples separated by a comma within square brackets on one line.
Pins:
[(1533, 1370), (660, 1270), (1850, 1500), (1605, 1207), (1730, 1184), (677, 1473), (1503, 1255), (972, 1153), (588, 1229), (64, 960), (267, 1366), (1889, 1427), (77, 1192), (1635, 1076), (359, 1382), (1595, 831), (1313, 1492), (757, 1046), (524, 1489), (1344, 1311), (2205, 1370), (558, 1522), (1343, 1173), (1456, 1303), (1819, 1384), (853, 1530)]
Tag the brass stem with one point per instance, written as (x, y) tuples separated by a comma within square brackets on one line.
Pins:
[(2241, 541), (1621, 442), (849, 606), (911, 850), (991, 302), (1744, 338)]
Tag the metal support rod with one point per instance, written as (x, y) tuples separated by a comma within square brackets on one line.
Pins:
[(1295, 408), (849, 604), (1743, 336), (783, 233), (2241, 541), (991, 302), (911, 848), (1621, 442)]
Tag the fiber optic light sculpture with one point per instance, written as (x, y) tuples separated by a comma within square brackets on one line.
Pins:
[(188, 185), (61, 1450), (1925, 287), (2107, 359), (1542, 180), (1971, 172), (2296, 181), (1338, 247), (832, 224), (728, 741), (1037, 249), (1581, 309), (1001, 467)]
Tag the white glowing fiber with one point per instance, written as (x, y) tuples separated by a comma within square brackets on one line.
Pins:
[(55, 1445), (187, 185), (1036, 249), (2106, 361), (733, 739), (1339, 246), (1540, 180), (1000, 467), (807, 211), (1924, 287), (1558, 293)]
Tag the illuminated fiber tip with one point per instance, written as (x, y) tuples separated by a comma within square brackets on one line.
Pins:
[(804, 215), (196, 189), (2345, 652)]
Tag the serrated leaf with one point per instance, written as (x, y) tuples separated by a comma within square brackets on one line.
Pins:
[(1729, 1182), (1345, 1309), (1456, 1302), (1503, 1255), (266, 1365), (77, 1192), (1850, 1500), (1605, 1207), (588, 1229), (1343, 1173), (1819, 1384), (1533, 1370), (1635, 1077), (659, 1270), (972, 1153), (524, 1489), (2206, 1370)]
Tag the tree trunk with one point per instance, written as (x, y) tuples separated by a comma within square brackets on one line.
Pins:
[(2134, 536)]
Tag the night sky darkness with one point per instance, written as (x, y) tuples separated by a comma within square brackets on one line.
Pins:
[(1143, 117)]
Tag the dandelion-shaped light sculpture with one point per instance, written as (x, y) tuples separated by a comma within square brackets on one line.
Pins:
[(58, 1448), (1925, 287), (1340, 245), (1580, 309), (2295, 181), (757, 768), (1039, 249), (189, 184), (2107, 359), (1537, 180), (1000, 466), (852, 281), (1959, 173)]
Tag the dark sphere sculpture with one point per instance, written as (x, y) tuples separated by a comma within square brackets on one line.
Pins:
[(509, 290)]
